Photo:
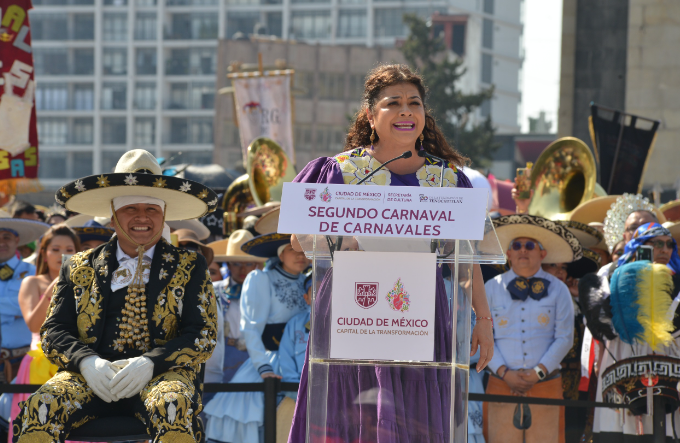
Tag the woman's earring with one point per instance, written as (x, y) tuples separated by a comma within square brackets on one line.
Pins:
[(422, 137), (372, 137)]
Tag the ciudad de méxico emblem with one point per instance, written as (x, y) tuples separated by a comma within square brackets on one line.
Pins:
[(366, 294), (310, 193)]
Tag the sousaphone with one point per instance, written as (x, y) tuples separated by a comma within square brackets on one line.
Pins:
[(268, 169), (563, 177)]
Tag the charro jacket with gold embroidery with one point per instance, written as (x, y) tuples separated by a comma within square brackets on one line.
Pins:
[(182, 310)]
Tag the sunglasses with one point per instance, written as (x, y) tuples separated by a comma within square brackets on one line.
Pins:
[(528, 245), (659, 244)]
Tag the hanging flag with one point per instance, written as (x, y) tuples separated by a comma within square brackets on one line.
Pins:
[(263, 105), (18, 130), (623, 144)]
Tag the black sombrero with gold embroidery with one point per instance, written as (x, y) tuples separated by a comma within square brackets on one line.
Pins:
[(265, 245), (92, 230), (138, 174), (589, 263), (588, 236), (562, 246)]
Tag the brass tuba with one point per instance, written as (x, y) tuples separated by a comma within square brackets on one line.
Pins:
[(268, 168), (563, 177)]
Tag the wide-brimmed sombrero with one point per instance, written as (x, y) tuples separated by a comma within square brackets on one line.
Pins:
[(593, 210), (562, 246), (229, 250), (587, 235), (674, 227), (28, 230), (189, 236), (138, 174), (259, 210), (589, 263), (202, 231), (265, 245), (671, 210), (91, 230), (269, 222)]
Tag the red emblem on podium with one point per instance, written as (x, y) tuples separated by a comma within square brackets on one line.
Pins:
[(366, 294)]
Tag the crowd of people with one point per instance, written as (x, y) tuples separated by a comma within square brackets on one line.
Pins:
[(114, 303)]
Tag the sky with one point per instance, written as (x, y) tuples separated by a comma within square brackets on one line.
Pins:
[(541, 69)]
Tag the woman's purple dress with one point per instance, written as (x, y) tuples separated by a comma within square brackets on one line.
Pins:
[(411, 405)]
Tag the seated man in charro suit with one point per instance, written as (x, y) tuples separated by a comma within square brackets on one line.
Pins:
[(131, 321)]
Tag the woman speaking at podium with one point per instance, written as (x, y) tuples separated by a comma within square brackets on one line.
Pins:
[(392, 121)]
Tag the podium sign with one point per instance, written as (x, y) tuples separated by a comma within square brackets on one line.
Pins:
[(383, 211), (386, 310)]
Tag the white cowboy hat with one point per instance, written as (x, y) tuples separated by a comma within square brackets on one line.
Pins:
[(28, 230), (229, 249), (269, 222), (562, 246), (138, 174), (199, 228)]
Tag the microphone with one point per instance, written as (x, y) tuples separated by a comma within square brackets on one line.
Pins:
[(426, 154), (406, 154)]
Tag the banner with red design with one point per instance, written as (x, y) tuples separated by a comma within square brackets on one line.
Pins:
[(18, 127), (263, 106)]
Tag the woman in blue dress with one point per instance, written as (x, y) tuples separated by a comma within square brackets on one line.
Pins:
[(269, 298), (413, 404)]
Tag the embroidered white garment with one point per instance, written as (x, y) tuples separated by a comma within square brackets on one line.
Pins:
[(127, 266)]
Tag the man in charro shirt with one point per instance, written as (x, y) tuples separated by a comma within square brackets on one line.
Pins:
[(132, 320)]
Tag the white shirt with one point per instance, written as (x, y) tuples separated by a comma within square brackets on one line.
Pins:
[(530, 332), (127, 266)]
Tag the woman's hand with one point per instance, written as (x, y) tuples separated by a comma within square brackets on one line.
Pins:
[(482, 337), (270, 375), (522, 204)]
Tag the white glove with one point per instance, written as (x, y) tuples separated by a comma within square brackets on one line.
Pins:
[(98, 374), (15, 117), (130, 380)]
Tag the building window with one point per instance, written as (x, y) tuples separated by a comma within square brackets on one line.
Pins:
[(458, 39), (53, 131), (83, 97), (356, 86), (110, 159), (485, 109), (489, 6), (49, 26), (115, 2), (115, 27), (145, 131), (487, 34), (193, 27), (254, 2), (50, 61), (115, 61), (145, 2), (331, 86), (274, 24), (113, 131), (487, 68), (145, 26), (390, 22), (83, 131), (146, 61), (310, 24), (190, 2), (82, 164), (202, 61), (83, 27), (242, 21), (51, 96), (83, 61), (352, 23), (114, 96), (57, 164), (196, 130), (191, 157), (145, 95), (304, 81), (310, 1)]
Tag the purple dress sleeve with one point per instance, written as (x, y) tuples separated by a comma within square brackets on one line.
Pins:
[(463, 180), (321, 170)]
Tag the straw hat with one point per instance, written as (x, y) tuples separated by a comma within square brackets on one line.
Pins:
[(589, 263), (587, 235), (229, 250), (138, 174), (259, 210), (562, 246), (265, 245), (202, 231), (671, 210), (28, 230), (189, 236), (593, 210), (674, 227), (269, 222)]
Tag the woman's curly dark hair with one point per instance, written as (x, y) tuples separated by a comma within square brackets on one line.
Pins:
[(378, 79)]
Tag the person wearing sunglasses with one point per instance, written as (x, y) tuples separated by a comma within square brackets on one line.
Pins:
[(533, 318), (655, 235)]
